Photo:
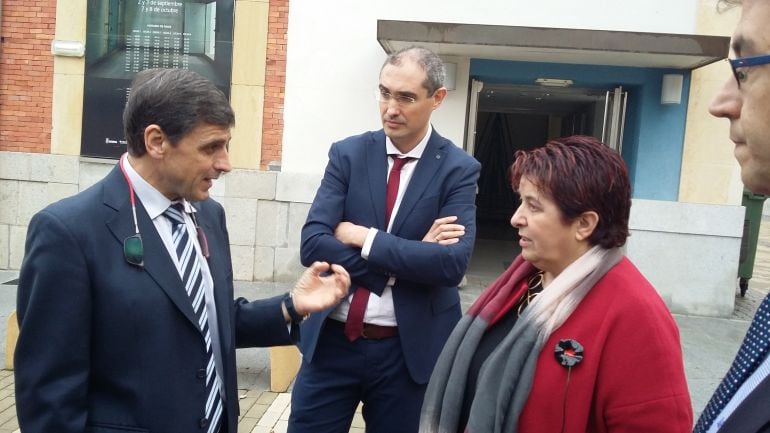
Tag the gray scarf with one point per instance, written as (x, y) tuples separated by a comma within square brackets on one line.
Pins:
[(506, 376)]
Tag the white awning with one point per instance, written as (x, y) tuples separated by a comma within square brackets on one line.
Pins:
[(552, 45)]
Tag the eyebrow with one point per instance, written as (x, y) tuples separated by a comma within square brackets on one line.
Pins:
[(410, 94)]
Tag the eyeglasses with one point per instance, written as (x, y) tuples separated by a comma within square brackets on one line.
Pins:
[(740, 64), (401, 100)]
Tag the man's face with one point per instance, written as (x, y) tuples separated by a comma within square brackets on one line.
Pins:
[(406, 123), (188, 169), (748, 106)]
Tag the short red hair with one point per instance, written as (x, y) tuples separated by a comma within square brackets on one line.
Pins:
[(581, 174)]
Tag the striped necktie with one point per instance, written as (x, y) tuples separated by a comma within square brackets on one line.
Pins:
[(752, 352), (192, 277)]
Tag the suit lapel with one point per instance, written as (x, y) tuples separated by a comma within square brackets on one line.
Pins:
[(752, 413), (377, 165), (223, 298), (427, 167), (157, 262)]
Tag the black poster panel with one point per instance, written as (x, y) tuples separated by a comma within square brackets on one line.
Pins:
[(128, 36)]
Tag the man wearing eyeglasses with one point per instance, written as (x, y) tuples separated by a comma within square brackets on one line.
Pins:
[(741, 403), (396, 207)]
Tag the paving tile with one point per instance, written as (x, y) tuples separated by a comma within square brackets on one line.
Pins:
[(256, 411), (358, 420), (246, 425), (265, 397), (269, 419), (281, 427)]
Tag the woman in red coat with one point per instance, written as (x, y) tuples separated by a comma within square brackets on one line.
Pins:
[(571, 338)]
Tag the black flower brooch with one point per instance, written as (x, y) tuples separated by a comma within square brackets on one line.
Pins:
[(569, 353)]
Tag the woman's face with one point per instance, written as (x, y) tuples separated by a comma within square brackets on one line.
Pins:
[(546, 240)]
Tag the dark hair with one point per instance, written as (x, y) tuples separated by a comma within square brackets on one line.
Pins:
[(177, 100), (581, 174), (428, 61)]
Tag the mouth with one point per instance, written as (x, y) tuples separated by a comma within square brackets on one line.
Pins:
[(392, 123), (524, 241)]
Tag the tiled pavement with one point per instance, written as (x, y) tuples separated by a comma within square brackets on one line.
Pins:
[(261, 411), (268, 412), (8, 421)]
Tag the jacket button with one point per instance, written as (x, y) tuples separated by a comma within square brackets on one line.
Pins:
[(204, 423), (201, 374)]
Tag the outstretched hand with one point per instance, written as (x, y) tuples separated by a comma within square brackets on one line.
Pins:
[(444, 231), (314, 292)]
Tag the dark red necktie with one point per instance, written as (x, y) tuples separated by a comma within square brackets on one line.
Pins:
[(355, 322)]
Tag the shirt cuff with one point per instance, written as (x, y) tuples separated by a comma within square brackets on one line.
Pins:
[(368, 243)]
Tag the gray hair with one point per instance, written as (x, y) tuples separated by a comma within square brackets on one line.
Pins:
[(177, 100), (429, 61)]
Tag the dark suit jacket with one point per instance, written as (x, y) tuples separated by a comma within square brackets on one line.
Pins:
[(105, 346), (753, 414), (425, 297)]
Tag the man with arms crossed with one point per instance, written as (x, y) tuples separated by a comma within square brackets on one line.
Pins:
[(396, 208)]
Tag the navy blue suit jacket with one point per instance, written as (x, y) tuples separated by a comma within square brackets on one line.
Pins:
[(425, 297), (106, 346)]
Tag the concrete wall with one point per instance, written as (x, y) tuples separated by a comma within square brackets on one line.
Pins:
[(265, 210), (689, 252)]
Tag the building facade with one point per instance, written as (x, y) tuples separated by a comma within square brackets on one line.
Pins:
[(301, 75)]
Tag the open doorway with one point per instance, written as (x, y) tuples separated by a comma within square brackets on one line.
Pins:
[(508, 118)]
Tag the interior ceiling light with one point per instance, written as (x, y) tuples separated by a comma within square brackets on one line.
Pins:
[(553, 82)]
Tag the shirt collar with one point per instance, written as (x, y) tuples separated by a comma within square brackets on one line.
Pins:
[(416, 153), (154, 202)]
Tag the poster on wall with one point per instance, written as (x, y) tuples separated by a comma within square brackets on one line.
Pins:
[(128, 36)]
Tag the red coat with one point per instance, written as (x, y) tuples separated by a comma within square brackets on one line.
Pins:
[(631, 378)]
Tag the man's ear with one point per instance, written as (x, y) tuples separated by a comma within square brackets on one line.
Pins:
[(154, 138), (438, 96), (586, 224)]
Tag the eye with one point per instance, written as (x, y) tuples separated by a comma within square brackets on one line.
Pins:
[(741, 75), (403, 99), (385, 96)]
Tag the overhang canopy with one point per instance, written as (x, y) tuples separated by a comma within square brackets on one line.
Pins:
[(536, 44)]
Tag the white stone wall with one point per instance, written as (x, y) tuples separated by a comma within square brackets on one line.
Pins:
[(689, 252), (265, 210), (29, 182)]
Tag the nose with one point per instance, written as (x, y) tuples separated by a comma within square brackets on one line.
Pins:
[(727, 103), (222, 162), (517, 220), (391, 108)]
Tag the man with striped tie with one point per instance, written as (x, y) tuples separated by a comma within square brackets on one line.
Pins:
[(741, 403), (125, 297)]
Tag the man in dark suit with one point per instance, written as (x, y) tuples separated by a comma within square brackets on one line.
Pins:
[(125, 298), (741, 403), (406, 238)]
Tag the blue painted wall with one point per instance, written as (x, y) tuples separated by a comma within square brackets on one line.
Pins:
[(654, 134)]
